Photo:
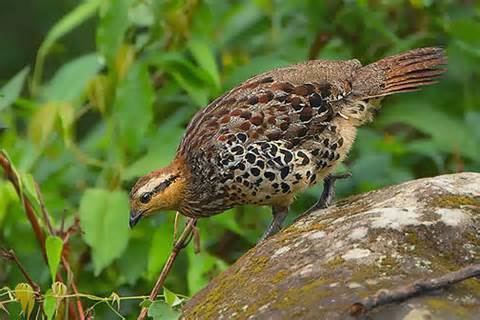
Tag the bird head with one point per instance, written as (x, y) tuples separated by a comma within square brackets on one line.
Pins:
[(159, 190)]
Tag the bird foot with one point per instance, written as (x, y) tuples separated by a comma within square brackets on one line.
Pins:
[(328, 193), (279, 215)]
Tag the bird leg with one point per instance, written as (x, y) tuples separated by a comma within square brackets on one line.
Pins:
[(328, 193), (279, 215)]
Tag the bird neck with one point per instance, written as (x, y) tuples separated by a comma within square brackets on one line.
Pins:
[(173, 196)]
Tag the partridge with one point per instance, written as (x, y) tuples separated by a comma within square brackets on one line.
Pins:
[(277, 134)]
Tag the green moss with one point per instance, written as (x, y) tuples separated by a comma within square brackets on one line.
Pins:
[(279, 276), (472, 286), (305, 295), (389, 262), (292, 232), (454, 201), (228, 282), (335, 262), (442, 305)]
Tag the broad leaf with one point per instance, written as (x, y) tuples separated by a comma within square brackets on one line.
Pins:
[(137, 250), (12, 89), (42, 123), (49, 304), (54, 247), (133, 106), (112, 27), (69, 83), (159, 310), (447, 132), (170, 133), (205, 58), (82, 12), (201, 267), (160, 248), (171, 298), (104, 221), (28, 182)]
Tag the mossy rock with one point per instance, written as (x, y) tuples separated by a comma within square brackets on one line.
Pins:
[(319, 266)]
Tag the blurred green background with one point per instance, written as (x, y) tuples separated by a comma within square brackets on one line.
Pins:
[(96, 93)]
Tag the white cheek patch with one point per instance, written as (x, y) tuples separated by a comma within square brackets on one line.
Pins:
[(150, 185)]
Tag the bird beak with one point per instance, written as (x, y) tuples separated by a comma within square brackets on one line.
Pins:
[(134, 218)]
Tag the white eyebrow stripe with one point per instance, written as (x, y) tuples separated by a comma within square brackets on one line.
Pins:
[(150, 185)]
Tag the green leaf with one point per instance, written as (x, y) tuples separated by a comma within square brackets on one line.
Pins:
[(14, 310), (12, 89), (49, 304), (255, 66), (170, 132), (448, 133), (15, 171), (69, 82), (133, 106), (146, 303), (160, 248), (66, 114), (54, 247), (205, 58), (112, 27), (171, 298), (104, 221), (192, 79), (69, 22), (159, 310), (42, 123), (198, 94), (227, 221), (137, 250), (201, 267), (28, 182)]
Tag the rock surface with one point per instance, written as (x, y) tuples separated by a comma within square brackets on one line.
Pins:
[(319, 266)]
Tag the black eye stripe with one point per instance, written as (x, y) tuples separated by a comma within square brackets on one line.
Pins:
[(162, 186)]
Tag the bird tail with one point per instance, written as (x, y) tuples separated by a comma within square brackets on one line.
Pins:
[(404, 72)]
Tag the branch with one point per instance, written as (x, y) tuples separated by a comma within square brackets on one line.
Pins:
[(179, 245), (321, 39), (32, 217), (29, 211), (385, 296), (43, 208), (10, 255)]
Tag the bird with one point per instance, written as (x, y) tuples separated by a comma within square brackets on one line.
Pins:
[(277, 134)]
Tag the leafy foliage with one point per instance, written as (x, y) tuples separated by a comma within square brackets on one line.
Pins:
[(85, 124)]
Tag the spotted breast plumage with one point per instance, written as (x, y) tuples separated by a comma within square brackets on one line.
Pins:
[(277, 134)]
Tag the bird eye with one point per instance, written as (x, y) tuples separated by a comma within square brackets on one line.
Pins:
[(145, 197)]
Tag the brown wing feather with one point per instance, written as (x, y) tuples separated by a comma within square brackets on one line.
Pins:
[(278, 105)]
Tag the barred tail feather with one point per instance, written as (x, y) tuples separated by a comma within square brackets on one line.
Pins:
[(404, 72)]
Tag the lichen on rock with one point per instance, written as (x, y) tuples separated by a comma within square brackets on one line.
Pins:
[(319, 266)]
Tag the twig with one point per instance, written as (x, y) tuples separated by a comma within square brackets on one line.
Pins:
[(179, 245), (416, 288), (10, 255), (320, 41), (43, 208), (70, 277), (30, 212), (175, 226)]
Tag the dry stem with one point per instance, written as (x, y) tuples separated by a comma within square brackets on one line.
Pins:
[(10, 255), (179, 245), (416, 288), (32, 217)]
